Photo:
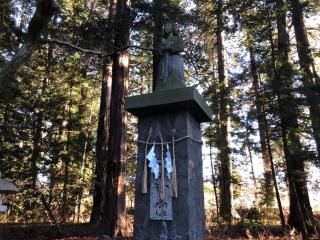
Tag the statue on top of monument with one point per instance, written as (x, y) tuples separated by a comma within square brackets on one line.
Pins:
[(171, 70)]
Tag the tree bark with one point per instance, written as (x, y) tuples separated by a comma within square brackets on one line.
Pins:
[(310, 78), (224, 114), (38, 23), (113, 223), (101, 146)]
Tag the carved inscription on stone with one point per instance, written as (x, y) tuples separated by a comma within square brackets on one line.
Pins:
[(160, 209)]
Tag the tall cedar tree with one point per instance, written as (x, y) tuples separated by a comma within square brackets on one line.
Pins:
[(310, 78), (268, 164), (67, 159), (261, 125), (114, 215), (250, 19), (224, 117), (38, 129), (300, 208), (103, 126)]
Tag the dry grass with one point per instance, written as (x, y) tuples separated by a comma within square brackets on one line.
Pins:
[(86, 232)]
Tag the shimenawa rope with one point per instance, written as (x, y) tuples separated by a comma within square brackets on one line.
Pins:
[(169, 142)]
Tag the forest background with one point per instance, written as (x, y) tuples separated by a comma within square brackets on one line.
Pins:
[(67, 66)]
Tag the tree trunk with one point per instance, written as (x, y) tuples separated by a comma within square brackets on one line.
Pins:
[(38, 23), (66, 163), (113, 223), (273, 171), (57, 149), (37, 140), (99, 188), (248, 144), (283, 80), (310, 78), (213, 175), (268, 189), (275, 76), (84, 162), (158, 22), (224, 113), (101, 146)]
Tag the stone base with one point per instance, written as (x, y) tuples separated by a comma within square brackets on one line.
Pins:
[(188, 208)]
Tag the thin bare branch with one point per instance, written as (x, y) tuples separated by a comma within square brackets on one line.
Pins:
[(95, 52), (70, 45)]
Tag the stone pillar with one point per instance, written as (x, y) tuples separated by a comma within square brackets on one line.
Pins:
[(183, 110)]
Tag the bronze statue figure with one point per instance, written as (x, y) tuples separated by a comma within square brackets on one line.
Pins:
[(171, 70)]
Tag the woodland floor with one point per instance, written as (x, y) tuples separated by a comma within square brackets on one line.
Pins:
[(86, 232)]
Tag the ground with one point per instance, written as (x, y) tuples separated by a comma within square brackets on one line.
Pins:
[(86, 232)]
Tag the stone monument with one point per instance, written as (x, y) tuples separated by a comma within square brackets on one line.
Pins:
[(169, 202)]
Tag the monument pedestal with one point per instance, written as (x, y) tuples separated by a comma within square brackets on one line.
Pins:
[(179, 112)]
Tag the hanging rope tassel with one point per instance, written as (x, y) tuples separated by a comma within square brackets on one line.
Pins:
[(174, 181), (144, 189), (162, 183)]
